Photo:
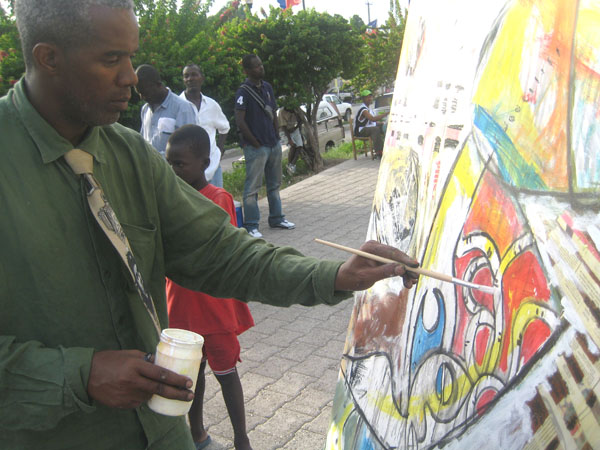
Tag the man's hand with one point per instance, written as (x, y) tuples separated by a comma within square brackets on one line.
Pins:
[(123, 379), (359, 273)]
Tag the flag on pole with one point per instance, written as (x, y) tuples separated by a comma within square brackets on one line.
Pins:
[(285, 4), (372, 24)]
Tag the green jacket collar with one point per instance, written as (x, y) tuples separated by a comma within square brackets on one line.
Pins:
[(49, 143)]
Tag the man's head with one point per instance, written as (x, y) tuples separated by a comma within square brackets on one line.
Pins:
[(188, 153), (193, 77), (253, 67), (65, 23), (150, 86), (78, 57), (367, 96)]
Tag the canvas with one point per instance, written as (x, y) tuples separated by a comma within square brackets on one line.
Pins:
[(491, 174)]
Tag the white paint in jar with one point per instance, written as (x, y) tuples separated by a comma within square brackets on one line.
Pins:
[(179, 351)]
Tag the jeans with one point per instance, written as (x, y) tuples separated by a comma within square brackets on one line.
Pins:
[(261, 160), (217, 179)]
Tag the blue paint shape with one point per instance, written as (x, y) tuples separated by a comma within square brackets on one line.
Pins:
[(439, 379), (513, 167), (424, 340), (364, 442)]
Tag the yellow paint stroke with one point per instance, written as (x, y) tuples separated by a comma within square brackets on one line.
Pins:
[(336, 429), (525, 84)]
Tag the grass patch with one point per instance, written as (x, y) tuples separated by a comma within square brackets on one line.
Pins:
[(342, 151), (233, 181)]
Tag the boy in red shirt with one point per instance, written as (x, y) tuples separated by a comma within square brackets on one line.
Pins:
[(219, 321)]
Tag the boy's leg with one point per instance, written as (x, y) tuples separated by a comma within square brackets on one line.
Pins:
[(223, 352), (196, 417), (233, 394)]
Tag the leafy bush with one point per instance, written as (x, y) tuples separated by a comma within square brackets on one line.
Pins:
[(12, 65)]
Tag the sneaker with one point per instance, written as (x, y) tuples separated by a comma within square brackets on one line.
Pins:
[(255, 233), (285, 224), (291, 169)]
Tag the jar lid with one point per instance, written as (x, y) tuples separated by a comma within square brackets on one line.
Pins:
[(183, 337)]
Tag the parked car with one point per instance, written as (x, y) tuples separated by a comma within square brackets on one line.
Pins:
[(383, 103), (329, 127), (347, 97), (345, 109)]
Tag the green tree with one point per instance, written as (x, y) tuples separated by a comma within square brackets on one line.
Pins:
[(301, 53), (380, 53), (12, 65), (173, 34), (357, 23)]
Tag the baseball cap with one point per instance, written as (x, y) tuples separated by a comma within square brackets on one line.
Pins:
[(365, 92)]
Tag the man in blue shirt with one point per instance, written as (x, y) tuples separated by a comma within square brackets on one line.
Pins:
[(164, 111), (255, 117)]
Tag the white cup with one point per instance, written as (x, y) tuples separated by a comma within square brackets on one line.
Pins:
[(181, 352)]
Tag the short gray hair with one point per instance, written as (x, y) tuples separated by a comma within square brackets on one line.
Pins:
[(65, 23)]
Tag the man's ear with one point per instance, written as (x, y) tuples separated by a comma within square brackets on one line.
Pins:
[(47, 57), (206, 163)]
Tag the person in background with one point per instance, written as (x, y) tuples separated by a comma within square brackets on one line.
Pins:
[(210, 117), (164, 111), (368, 124), (291, 126), (218, 320), (256, 119)]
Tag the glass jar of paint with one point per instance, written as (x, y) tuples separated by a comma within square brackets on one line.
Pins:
[(179, 351)]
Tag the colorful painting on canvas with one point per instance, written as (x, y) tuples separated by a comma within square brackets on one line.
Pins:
[(491, 174)]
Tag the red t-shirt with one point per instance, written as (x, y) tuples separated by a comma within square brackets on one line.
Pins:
[(199, 312)]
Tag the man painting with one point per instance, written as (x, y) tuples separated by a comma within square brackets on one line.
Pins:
[(210, 117), (164, 112), (73, 371), (256, 118)]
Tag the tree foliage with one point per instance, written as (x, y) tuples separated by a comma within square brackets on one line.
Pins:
[(301, 53), (12, 65), (380, 53)]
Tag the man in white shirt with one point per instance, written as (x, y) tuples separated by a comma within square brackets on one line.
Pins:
[(210, 117), (164, 112)]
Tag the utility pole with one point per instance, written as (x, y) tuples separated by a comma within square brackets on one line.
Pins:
[(368, 12)]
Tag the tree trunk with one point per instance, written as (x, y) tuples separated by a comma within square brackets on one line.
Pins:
[(315, 162)]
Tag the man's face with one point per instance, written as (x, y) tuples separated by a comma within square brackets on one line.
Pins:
[(368, 99), (192, 78), (150, 91), (186, 165), (256, 69), (95, 79)]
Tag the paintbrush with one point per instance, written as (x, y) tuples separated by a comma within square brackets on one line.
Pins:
[(418, 270)]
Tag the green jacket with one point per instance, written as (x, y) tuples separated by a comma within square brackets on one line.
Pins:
[(65, 293)]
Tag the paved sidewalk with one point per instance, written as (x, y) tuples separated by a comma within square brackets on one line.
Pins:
[(291, 357)]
